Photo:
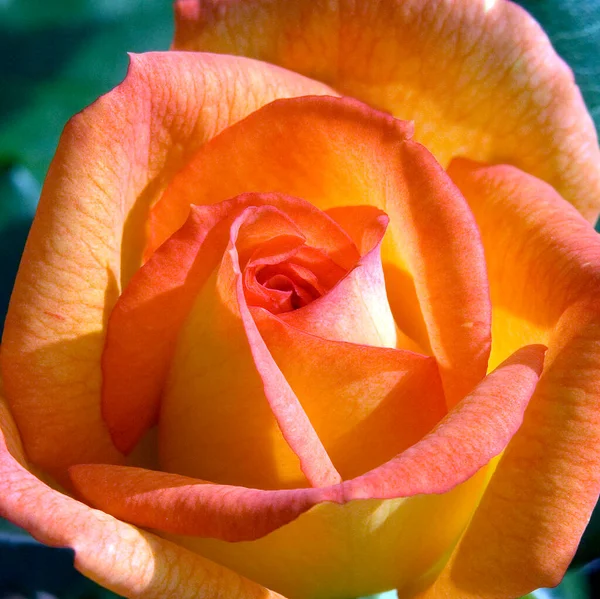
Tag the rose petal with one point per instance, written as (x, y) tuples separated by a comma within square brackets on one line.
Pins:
[(530, 521), (156, 303), (541, 254), (356, 310), (366, 403), (118, 556), (491, 413), (113, 161), (445, 256), (479, 79), (151, 310), (432, 236), (317, 555), (436, 464), (411, 330), (180, 504), (292, 420), (305, 156), (311, 554), (546, 485), (149, 314), (130, 372)]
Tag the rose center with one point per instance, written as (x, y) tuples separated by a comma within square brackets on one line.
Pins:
[(293, 282)]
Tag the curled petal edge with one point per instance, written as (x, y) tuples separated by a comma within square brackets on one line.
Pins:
[(436, 464), (122, 558)]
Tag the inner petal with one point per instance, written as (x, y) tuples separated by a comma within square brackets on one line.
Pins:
[(286, 272), (275, 298), (328, 270), (290, 285)]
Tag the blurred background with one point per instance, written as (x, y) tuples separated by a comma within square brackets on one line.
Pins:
[(58, 56)]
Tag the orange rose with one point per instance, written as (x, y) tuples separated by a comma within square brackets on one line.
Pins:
[(255, 318)]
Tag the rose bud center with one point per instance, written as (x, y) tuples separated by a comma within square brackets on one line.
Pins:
[(292, 283)]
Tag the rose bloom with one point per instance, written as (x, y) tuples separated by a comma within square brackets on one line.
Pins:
[(300, 342)]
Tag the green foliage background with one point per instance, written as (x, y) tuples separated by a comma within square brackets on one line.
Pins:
[(57, 56)]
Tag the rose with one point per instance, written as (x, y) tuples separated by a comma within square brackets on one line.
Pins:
[(149, 140)]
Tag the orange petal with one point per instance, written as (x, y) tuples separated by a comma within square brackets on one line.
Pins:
[(536, 507), (284, 159), (479, 81), (367, 318), (356, 309), (491, 413), (289, 413), (307, 557), (150, 312), (436, 464), (366, 403), (124, 559), (432, 237), (158, 299), (544, 262), (541, 254), (113, 161), (318, 555), (310, 554), (179, 504)]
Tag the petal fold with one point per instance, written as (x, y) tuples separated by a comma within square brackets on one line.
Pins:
[(492, 413), (367, 403)]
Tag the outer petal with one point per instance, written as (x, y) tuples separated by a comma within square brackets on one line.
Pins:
[(432, 255), (539, 500), (122, 558), (308, 556), (530, 520), (113, 161), (480, 79), (541, 255), (315, 555)]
